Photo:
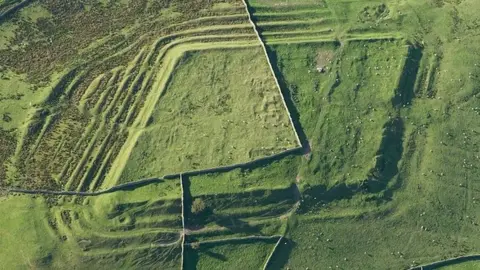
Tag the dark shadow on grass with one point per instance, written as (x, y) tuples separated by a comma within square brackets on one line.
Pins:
[(187, 199), (236, 225), (192, 255), (60, 88), (316, 196), (388, 156), (198, 220), (275, 199), (288, 99), (281, 255), (191, 258), (385, 170), (233, 225), (405, 91), (251, 165)]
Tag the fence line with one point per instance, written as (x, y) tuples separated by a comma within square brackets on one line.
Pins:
[(183, 223), (237, 165), (271, 253), (130, 185), (447, 262), (235, 239), (135, 184), (271, 70)]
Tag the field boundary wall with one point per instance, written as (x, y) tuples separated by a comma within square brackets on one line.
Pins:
[(259, 37), (296, 150), (135, 184), (182, 263), (267, 262), (234, 239), (447, 262)]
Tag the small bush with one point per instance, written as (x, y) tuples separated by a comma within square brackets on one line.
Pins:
[(195, 245), (198, 206)]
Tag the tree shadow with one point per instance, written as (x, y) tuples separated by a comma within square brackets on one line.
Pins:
[(190, 258), (192, 255)]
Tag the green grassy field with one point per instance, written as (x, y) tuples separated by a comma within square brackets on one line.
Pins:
[(25, 240), (347, 110), (127, 229), (215, 118), (249, 255), (388, 212), (238, 204), (384, 97)]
